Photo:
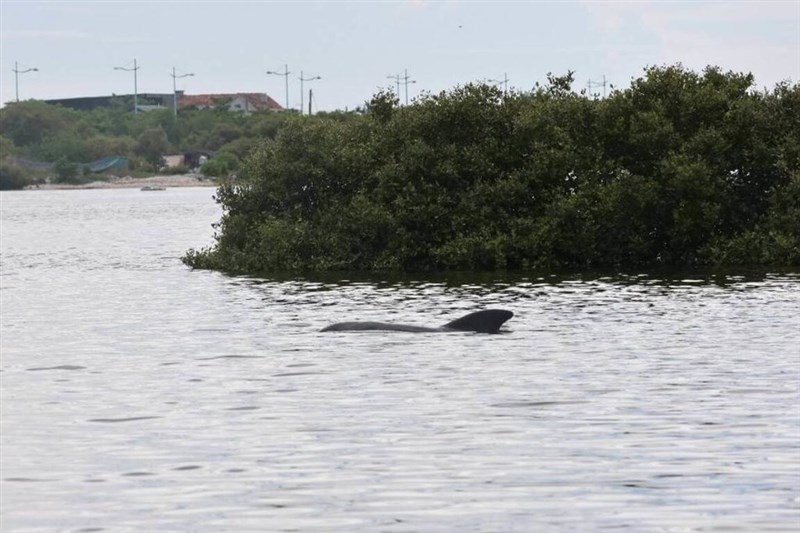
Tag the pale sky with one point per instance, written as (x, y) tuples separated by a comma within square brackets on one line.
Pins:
[(356, 46)]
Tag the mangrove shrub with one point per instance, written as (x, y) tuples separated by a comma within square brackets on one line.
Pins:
[(681, 169)]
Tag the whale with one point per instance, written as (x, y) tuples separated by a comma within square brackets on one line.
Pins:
[(485, 321)]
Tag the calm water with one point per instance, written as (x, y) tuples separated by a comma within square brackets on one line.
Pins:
[(138, 395)]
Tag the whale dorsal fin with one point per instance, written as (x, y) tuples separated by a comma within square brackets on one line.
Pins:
[(486, 321)]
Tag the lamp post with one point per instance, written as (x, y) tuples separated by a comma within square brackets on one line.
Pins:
[(285, 74), (135, 84), (504, 81), (175, 90), (592, 84), (302, 79), (406, 80), (396, 78), (17, 72)]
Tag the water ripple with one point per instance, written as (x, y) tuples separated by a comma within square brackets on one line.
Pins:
[(640, 402)]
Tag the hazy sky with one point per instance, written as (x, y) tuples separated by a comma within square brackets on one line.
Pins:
[(355, 46)]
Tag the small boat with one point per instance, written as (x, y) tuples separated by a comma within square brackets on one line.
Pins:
[(149, 188)]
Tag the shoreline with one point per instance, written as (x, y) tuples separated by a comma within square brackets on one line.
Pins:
[(128, 182)]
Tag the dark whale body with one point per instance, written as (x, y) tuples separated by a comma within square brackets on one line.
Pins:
[(487, 321)]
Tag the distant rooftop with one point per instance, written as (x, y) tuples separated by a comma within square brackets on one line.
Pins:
[(246, 102), (240, 102)]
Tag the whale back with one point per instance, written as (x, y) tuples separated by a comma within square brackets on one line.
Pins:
[(486, 321)]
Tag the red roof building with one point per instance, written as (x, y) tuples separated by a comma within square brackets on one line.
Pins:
[(240, 102)]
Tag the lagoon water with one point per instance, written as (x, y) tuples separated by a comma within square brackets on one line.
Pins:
[(138, 395)]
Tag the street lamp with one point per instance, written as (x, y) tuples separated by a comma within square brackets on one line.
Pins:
[(175, 90), (302, 79), (395, 77), (504, 81), (17, 72), (592, 84), (406, 80), (285, 74), (135, 84)]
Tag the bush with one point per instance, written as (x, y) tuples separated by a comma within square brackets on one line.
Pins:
[(42, 132), (66, 171), (7, 147), (177, 170), (680, 169), (220, 166), (151, 146), (12, 177)]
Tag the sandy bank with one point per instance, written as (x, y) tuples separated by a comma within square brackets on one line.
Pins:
[(182, 180)]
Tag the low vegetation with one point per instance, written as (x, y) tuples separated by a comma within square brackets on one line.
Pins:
[(680, 168), (35, 131)]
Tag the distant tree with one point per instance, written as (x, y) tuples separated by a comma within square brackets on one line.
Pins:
[(152, 145), (7, 147), (62, 144), (66, 171), (261, 125), (383, 105), (100, 146), (240, 147), (223, 134), (27, 123), (220, 165), (12, 177), (44, 132)]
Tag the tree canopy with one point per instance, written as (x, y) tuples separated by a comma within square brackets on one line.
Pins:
[(680, 168), (37, 131)]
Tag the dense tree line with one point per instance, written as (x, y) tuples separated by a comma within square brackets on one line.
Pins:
[(680, 168), (37, 131)]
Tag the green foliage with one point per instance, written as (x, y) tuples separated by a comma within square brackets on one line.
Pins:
[(30, 122), (62, 145), (177, 170), (66, 171), (12, 177), (7, 147), (773, 240), (100, 146), (152, 145), (383, 105), (41, 132), (220, 166), (239, 148), (680, 169)]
